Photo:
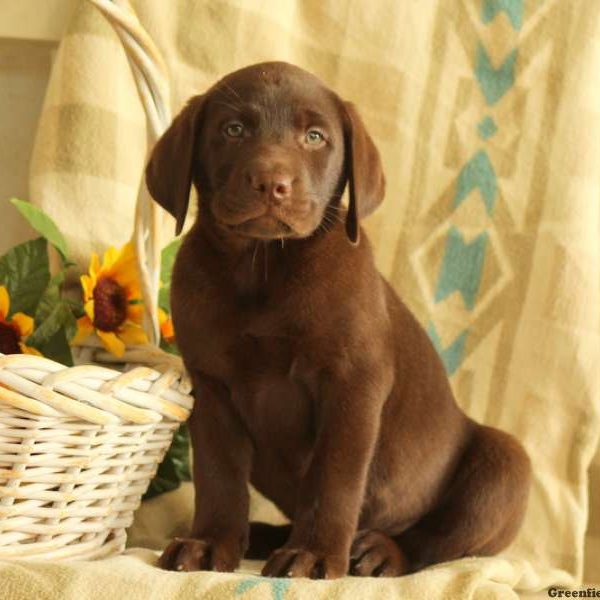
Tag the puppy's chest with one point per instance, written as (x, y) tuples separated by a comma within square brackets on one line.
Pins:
[(261, 356), (248, 329), (237, 342), (275, 391), (274, 386)]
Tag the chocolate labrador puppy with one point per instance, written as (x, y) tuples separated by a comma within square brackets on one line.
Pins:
[(313, 380)]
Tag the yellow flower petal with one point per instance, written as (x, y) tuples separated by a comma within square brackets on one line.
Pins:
[(127, 275), (88, 286), (89, 309), (126, 263), (133, 335), (111, 342), (24, 323), (132, 286), (110, 257), (94, 267), (126, 255), (162, 315), (135, 313), (4, 302), (29, 350), (166, 325), (121, 266), (167, 330), (85, 328)]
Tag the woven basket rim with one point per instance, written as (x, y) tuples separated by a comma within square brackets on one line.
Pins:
[(93, 393)]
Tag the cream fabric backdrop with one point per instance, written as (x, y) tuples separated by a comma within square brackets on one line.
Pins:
[(488, 119)]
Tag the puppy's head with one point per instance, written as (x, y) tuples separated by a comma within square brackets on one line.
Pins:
[(268, 148)]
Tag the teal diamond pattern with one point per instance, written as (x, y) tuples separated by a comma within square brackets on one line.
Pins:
[(478, 173), (462, 264), (512, 8), (462, 267), (494, 83), (452, 355), (487, 128), (279, 586)]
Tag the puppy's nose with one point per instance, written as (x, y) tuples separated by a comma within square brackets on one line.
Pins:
[(281, 186), (277, 186)]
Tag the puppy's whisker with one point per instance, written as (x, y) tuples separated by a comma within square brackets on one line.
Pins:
[(323, 227), (334, 217), (331, 219), (254, 256), (266, 247)]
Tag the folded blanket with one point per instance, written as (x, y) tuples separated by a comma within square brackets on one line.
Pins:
[(487, 116), (134, 576)]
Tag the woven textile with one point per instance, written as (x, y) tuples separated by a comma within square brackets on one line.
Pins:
[(487, 116)]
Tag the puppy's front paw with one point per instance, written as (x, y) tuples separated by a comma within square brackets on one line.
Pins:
[(190, 554), (299, 562)]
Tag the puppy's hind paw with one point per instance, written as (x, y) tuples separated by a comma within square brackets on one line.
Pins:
[(374, 554)]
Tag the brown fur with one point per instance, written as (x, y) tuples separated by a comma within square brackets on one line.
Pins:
[(313, 380)]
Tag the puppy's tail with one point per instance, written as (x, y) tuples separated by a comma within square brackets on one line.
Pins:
[(265, 538)]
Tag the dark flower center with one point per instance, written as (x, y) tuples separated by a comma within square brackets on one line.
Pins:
[(110, 305), (9, 339)]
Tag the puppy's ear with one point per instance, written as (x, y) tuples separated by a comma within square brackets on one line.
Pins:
[(366, 181), (169, 172)]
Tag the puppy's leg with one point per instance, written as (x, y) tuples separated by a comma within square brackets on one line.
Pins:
[(482, 511), (222, 458), (332, 491)]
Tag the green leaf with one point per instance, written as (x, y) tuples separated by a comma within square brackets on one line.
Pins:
[(70, 324), (50, 298), (43, 224), (25, 273), (57, 348), (174, 468), (167, 260), (76, 307), (60, 319), (164, 298), (170, 348)]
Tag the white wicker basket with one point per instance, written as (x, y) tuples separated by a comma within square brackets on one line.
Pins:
[(80, 445)]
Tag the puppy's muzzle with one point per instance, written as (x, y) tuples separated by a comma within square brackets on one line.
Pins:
[(272, 187)]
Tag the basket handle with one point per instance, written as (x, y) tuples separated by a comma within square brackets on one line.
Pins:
[(150, 75)]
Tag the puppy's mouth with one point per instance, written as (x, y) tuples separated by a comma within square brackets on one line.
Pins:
[(265, 227)]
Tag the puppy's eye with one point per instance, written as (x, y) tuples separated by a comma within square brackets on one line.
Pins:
[(234, 130), (314, 137)]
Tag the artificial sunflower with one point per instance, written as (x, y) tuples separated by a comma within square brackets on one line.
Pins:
[(166, 326), (15, 330), (112, 301)]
